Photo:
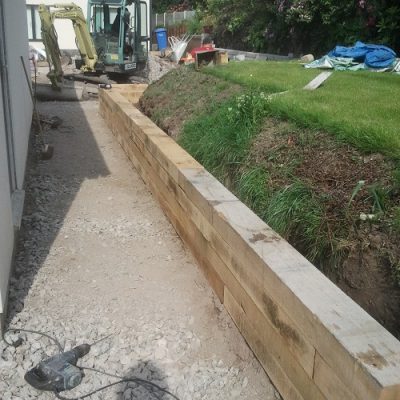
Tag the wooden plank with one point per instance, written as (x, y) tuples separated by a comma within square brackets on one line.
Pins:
[(298, 346), (279, 331), (286, 387), (329, 383), (204, 190), (318, 81), (159, 143), (340, 330), (166, 151), (165, 196)]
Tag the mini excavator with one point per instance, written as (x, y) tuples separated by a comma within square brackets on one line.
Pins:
[(111, 40)]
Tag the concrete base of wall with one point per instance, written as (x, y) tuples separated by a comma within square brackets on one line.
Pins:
[(313, 341), (17, 200)]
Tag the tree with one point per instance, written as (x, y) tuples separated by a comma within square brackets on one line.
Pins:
[(302, 26)]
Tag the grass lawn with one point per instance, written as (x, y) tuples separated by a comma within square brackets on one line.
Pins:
[(361, 108), (272, 76)]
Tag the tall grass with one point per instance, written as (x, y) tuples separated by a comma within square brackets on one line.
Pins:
[(221, 139), (296, 213)]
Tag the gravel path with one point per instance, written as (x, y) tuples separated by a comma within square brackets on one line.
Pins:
[(97, 257)]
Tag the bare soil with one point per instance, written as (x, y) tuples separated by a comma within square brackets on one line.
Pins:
[(173, 99), (332, 169)]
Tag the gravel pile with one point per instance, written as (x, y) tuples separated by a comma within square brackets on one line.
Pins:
[(96, 257), (158, 67)]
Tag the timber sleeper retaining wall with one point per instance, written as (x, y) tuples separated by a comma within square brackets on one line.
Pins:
[(313, 341)]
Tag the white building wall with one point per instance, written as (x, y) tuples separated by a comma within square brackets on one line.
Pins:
[(21, 103), (6, 224), (65, 31), (15, 45)]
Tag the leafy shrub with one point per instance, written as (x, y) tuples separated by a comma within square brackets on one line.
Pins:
[(303, 25)]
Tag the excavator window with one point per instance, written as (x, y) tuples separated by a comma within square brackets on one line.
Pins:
[(101, 17), (115, 28)]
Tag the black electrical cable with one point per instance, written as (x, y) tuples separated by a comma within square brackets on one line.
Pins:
[(53, 339), (19, 341), (139, 381)]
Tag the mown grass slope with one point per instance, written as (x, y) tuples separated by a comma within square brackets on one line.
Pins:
[(361, 108), (331, 192)]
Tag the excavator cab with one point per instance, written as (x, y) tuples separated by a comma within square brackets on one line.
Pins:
[(119, 32)]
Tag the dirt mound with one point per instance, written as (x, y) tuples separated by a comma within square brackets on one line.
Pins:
[(181, 94)]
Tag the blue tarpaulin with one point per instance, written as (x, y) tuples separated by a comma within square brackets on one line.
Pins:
[(373, 55)]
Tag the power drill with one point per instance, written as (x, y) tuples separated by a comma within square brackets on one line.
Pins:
[(58, 373)]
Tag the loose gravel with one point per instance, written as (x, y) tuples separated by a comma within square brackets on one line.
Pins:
[(158, 66), (97, 257)]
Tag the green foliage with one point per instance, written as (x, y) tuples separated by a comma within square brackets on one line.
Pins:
[(296, 213), (220, 139), (303, 25), (357, 107), (293, 211), (379, 196), (396, 220), (389, 24), (396, 273), (396, 178), (252, 188), (271, 77), (161, 6), (195, 25)]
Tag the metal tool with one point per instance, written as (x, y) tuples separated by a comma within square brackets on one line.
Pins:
[(59, 372)]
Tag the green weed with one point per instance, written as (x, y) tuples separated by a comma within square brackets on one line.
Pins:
[(396, 273), (220, 139), (296, 213), (252, 189), (396, 178), (396, 220), (379, 197)]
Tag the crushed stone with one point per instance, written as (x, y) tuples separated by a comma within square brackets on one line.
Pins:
[(96, 257)]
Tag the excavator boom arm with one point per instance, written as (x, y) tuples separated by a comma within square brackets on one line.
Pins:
[(50, 41), (84, 40)]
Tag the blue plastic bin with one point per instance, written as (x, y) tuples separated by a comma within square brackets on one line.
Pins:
[(161, 34)]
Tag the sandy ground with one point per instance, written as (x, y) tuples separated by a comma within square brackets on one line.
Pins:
[(96, 257)]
